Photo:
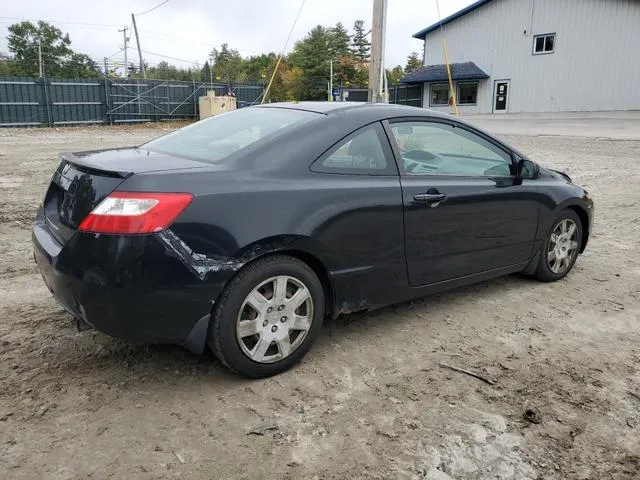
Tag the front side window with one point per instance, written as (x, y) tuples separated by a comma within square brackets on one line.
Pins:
[(468, 93), (213, 140), (362, 152), (544, 43), (432, 148), (439, 95)]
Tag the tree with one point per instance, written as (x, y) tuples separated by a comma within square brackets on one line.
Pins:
[(227, 64), (165, 71), (259, 67), (205, 72), (7, 65), (162, 71), (81, 65), (339, 41), (57, 56), (23, 42), (311, 56), (351, 71), (279, 91), (360, 45), (295, 84), (134, 69), (413, 63), (394, 75)]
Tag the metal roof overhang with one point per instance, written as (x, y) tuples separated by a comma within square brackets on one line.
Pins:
[(438, 73)]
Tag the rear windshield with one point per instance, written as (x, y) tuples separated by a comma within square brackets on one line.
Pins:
[(215, 138)]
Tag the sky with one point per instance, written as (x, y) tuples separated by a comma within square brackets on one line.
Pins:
[(186, 30)]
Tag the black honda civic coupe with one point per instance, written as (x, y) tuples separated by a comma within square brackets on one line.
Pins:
[(243, 231)]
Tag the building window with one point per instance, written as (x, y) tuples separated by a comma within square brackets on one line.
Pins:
[(439, 95), (544, 43), (468, 93)]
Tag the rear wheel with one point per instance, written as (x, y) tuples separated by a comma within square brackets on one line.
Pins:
[(267, 317), (561, 247)]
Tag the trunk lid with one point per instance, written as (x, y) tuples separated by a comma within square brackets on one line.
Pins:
[(83, 180), (126, 161)]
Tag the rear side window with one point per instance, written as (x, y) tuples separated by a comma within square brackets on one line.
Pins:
[(365, 152), (216, 138)]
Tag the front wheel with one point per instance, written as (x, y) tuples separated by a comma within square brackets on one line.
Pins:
[(561, 247), (267, 317)]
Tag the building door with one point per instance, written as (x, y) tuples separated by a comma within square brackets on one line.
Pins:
[(501, 100)]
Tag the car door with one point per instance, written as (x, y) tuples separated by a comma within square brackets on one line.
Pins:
[(464, 210)]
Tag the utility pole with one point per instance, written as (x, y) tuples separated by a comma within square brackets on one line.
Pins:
[(384, 93), (126, 41), (40, 65), (106, 68), (376, 65), (135, 30), (331, 79), (211, 73)]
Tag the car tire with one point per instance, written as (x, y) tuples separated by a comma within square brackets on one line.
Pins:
[(276, 321), (565, 245)]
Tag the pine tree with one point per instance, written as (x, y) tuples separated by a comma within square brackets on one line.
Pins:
[(205, 72), (227, 63), (413, 63), (311, 56), (360, 45), (339, 41)]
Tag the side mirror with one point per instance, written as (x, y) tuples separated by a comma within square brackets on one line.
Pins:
[(527, 169)]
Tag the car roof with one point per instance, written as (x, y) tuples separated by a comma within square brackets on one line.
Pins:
[(329, 108), (364, 113), (317, 107)]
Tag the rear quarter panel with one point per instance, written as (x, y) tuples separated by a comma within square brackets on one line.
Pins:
[(269, 201)]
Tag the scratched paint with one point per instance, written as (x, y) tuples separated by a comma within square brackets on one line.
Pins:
[(198, 263)]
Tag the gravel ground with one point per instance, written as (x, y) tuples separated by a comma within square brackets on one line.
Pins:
[(370, 400)]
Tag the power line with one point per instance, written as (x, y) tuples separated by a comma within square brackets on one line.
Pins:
[(114, 54), (152, 9), (100, 25), (171, 37), (194, 42), (266, 90), (170, 58), (105, 26)]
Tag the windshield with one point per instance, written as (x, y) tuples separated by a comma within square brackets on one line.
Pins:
[(214, 139)]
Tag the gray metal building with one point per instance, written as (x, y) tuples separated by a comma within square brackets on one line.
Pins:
[(534, 56)]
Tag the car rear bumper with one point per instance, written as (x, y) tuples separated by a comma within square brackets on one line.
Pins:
[(137, 287)]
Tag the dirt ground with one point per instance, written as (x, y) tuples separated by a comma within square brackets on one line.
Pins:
[(370, 400)]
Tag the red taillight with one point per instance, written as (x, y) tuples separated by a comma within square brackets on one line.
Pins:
[(135, 212)]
